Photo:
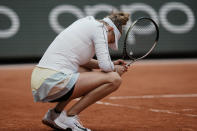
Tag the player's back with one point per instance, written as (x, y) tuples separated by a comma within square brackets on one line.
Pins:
[(72, 47)]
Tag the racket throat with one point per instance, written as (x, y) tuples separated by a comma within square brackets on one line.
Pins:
[(131, 62)]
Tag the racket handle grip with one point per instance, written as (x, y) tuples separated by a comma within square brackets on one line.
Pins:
[(128, 64)]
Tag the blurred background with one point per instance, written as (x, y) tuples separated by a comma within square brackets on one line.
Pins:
[(27, 27)]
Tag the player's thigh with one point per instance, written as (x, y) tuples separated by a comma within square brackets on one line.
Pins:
[(88, 81)]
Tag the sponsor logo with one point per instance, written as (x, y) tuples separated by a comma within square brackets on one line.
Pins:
[(160, 17)]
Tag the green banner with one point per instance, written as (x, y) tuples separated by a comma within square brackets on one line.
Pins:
[(27, 27)]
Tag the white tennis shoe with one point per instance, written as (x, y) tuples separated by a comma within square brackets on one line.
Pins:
[(69, 123), (49, 118)]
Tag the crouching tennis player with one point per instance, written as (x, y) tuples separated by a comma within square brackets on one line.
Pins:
[(65, 71)]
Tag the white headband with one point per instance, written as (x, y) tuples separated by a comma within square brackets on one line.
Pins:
[(116, 32)]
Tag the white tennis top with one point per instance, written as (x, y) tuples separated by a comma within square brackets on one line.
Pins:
[(76, 45)]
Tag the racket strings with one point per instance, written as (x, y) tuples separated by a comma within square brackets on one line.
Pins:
[(141, 37)]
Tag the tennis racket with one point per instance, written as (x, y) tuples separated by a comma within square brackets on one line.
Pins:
[(141, 38)]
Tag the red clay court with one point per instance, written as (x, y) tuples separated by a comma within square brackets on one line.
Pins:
[(154, 96)]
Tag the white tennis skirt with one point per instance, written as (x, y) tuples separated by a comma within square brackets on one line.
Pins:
[(48, 84)]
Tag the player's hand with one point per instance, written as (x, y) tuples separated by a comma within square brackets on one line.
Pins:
[(120, 62), (121, 69)]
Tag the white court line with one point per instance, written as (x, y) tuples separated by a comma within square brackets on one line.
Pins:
[(164, 111), (154, 96), (139, 108), (190, 115), (187, 109), (117, 105)]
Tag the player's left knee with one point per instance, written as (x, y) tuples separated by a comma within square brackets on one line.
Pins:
[(116, 80)]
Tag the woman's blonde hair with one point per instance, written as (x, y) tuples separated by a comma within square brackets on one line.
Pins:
[(119, 19)]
